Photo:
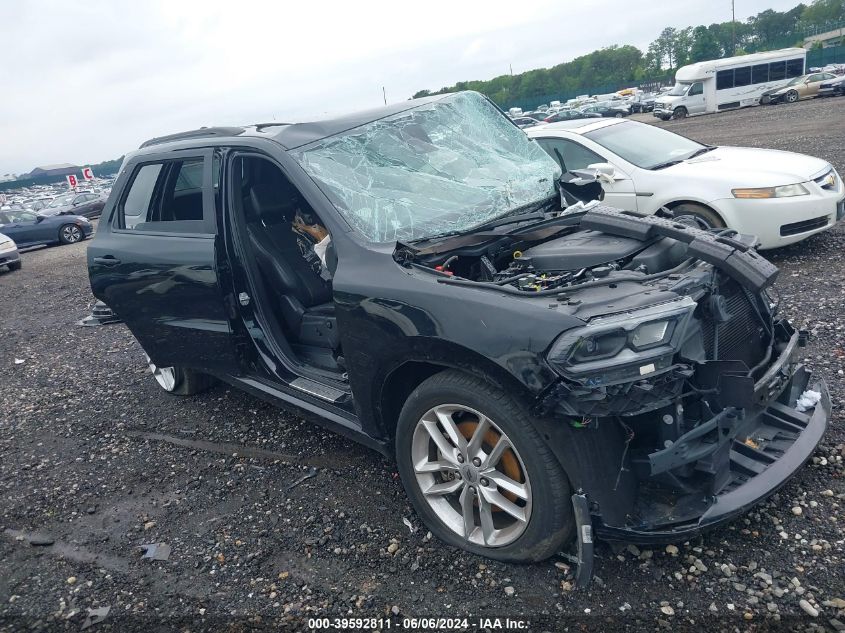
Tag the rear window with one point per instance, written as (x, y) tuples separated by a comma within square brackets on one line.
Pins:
[(166, 196), (137, 203)]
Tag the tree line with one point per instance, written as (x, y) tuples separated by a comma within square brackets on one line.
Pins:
[(628, 65)]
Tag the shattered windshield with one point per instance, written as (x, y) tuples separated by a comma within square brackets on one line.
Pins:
[(439, 168)]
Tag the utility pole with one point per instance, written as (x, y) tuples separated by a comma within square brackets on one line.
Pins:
[(511, 67), (733, 28), (384, 94)]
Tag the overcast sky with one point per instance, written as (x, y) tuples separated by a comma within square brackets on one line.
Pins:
[(84, 82)]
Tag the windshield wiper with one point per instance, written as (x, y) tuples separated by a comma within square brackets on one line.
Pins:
[(510, 219), (675, 161), (668, 163), (699, 152)]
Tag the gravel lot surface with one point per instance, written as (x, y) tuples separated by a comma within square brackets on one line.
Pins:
[(95, 461)]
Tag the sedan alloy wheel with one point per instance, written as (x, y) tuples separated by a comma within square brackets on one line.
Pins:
[(71, 234), (471, 475)]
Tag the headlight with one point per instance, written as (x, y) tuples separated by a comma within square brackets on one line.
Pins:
[(620, 346), (784, 191), (652, 334), (599, 346)]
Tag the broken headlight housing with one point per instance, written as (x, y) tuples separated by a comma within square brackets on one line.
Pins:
[(623, 346)]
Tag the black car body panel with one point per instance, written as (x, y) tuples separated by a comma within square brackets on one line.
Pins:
[(523, 305)]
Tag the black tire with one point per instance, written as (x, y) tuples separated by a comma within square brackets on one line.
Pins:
[(70, 234), (679, 113), (618, 115), (791, 96), (551, 523), (700, 213), (180, 381), (190, 382), (15, 265)]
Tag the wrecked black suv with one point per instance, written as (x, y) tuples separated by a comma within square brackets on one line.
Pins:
[(409, 275)]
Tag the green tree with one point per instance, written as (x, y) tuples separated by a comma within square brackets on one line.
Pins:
[(704, 45), (821, 14)]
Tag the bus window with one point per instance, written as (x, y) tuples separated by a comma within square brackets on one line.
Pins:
[(742, 76), (795, 67), (760, 74), (724, 79), (777, 71)]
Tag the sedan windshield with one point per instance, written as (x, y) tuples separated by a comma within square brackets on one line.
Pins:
[(644, 145), (442, 167), (63, 200)]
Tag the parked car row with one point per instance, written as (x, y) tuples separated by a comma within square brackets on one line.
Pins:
[(806, 87)]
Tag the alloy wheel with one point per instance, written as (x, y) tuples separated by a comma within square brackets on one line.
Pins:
[(165, 376), (71, 233), (471, 475), (792, 96)]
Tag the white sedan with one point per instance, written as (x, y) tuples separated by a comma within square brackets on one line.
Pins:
[(781, 197), (9, 256)]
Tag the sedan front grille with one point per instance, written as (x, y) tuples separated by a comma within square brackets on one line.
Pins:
[(802, 227)]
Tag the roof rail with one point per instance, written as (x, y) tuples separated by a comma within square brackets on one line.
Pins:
[(203, 131)]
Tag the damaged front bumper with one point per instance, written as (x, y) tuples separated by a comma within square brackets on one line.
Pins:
[(760, 454), (703, 475)]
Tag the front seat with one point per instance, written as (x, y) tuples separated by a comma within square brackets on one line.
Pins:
[(303, 298)]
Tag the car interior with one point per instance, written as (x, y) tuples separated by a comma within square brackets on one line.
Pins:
[(281, 230)]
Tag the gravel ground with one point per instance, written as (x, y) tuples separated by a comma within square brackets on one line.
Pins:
[(95, 461)]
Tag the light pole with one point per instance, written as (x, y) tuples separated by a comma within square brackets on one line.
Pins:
[(733, 28)]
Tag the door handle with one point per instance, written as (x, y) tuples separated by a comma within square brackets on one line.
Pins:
[(107, 260)]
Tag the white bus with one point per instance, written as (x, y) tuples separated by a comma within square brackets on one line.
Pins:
[(734, 82)]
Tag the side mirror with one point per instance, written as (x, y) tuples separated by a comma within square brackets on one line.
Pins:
[(39, 218), (604, 171)]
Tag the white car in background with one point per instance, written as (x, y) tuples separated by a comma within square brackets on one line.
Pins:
[(781, 197), (9, 255)]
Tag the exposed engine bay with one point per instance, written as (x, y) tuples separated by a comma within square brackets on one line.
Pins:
[(683, 372)]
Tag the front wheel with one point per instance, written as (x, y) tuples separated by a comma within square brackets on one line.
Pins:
[(477, 472), (180, 381), (70, 234), (791, 96), (618, 115), (679, 113), (701, 216), (15, 265)]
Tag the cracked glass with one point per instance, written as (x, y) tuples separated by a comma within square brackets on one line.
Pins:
[(442, 167)]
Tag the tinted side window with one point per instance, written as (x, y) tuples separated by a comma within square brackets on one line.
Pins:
[(794, 67), (777, 71), (136, 205), (724, 79), (575, 155), (168, 196), (742, 76), (760, 74)]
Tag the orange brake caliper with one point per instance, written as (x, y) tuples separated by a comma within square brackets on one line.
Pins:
[(509, 462)]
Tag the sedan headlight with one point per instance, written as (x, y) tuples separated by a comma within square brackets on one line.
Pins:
[(784, 191), (622, 346)]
